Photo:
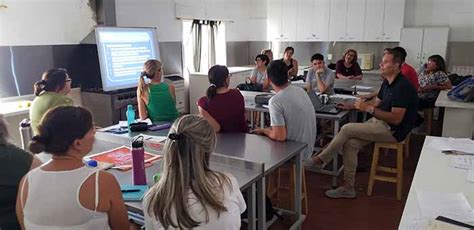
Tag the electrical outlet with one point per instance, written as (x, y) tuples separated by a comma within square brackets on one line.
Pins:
[(329, 56)]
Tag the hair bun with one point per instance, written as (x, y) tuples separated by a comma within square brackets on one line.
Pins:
[(37, 144)]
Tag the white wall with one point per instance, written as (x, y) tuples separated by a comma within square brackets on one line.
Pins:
[(457, 14), (150, 13), (45, 22)]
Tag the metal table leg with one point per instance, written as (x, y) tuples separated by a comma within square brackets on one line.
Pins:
[(335, 168), (261, 195), (262, 120), (298, 183), (251, 207)]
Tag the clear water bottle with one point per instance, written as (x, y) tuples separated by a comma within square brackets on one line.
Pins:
[(26, 133), (130, 115), (138, 161)]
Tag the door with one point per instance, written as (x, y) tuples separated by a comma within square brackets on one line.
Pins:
[(305, 20), (320, 20), (435, 41), (288, 20), (338, 20), (355, 20), (274, 19), (411, 40), (374, 14), (393, 19)]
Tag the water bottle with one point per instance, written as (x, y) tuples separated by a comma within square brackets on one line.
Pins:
[(138, 161), (130, 115), (26, 133)]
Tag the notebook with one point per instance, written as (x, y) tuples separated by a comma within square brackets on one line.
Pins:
[(133, 192)]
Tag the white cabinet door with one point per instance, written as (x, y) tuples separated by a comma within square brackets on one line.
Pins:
[(411, 40), (338, 20), (274, 19), (312, 20), (393, 19), (355, 20), (321, 19), (374, 20), (288, 20), (435, 41), (305, 20)]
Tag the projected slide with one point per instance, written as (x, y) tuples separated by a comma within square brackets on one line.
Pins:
[(122, 52)]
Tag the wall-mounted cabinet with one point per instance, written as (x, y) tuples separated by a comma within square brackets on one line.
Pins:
[(312, 22), (383, 20), (346, 22), (420, 43), (281, 20)]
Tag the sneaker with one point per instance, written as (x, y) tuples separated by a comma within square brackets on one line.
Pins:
[(309, 164), (341, 192)]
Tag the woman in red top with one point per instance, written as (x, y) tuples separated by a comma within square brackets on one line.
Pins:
[(224, 108)]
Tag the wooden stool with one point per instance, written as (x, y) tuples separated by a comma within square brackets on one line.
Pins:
[(398, 179), (428, 116), (275, 190)]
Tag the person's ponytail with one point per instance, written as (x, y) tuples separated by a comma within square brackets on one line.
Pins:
[(39, 87), (211, 91)]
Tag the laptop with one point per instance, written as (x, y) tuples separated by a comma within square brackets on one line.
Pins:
[(319, 107)]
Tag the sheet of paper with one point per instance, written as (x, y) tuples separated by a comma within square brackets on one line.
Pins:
[(123, 123), (465, 145), (451, 205), (462, 161), (156, 139), (147, 121), (470, 175), (362, 87)]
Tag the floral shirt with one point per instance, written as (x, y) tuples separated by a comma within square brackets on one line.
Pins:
[(437, 78)]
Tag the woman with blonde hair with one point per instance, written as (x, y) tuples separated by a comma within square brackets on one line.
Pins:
[(348, 67), (156, 100), (190, 194)]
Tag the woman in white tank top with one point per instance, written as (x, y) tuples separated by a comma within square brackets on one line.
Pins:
[(63, 193), (190, 194)]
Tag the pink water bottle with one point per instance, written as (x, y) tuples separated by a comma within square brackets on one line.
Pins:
[(138, 161)]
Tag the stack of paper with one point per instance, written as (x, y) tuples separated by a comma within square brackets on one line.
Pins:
[(462, 145), (451, 205)]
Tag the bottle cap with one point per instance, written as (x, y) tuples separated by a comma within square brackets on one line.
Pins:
[(156, 177), (129, 107), (137, 142), (91, 163)]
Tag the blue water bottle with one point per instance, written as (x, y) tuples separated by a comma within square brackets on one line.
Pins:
[(130, 115)]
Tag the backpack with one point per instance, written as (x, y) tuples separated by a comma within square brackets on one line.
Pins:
[(463, 92), (269, 210), (250, 87)]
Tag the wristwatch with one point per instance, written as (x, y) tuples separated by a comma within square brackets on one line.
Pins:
[(371, 110)]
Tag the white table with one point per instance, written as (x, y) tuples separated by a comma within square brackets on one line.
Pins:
[(434, 173), (458, 117)]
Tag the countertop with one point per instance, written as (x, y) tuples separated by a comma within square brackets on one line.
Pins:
[(232, 69), (444, 101)]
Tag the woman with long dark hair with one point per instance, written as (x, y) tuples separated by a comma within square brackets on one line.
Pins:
[(50, 92), (432, 80), (224, 108), (64, 193)]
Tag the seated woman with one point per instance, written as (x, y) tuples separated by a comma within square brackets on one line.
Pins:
[(14, 164), (222, 107), (432, 80), (319, 77), (259, 74), (50, 92), (64, 193), (189, 194), (290, 62), (156, 100), (348, 68), (269, 54)]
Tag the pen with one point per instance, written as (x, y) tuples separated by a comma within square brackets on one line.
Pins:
[(130, 190), (454, 222)]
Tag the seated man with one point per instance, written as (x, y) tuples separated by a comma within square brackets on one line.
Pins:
[(319, 77), (394, 112), (292, 114)]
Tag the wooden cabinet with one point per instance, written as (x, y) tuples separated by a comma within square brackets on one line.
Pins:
[(347, 20), (383, 20), (420, 43), (312, 20), (281, 20)]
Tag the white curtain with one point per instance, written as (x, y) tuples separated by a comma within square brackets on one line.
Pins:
[(204, 44)]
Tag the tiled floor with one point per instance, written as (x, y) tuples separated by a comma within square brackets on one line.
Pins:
[(380, 211)]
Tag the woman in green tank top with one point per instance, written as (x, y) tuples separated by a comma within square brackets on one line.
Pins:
[(156, 100)]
